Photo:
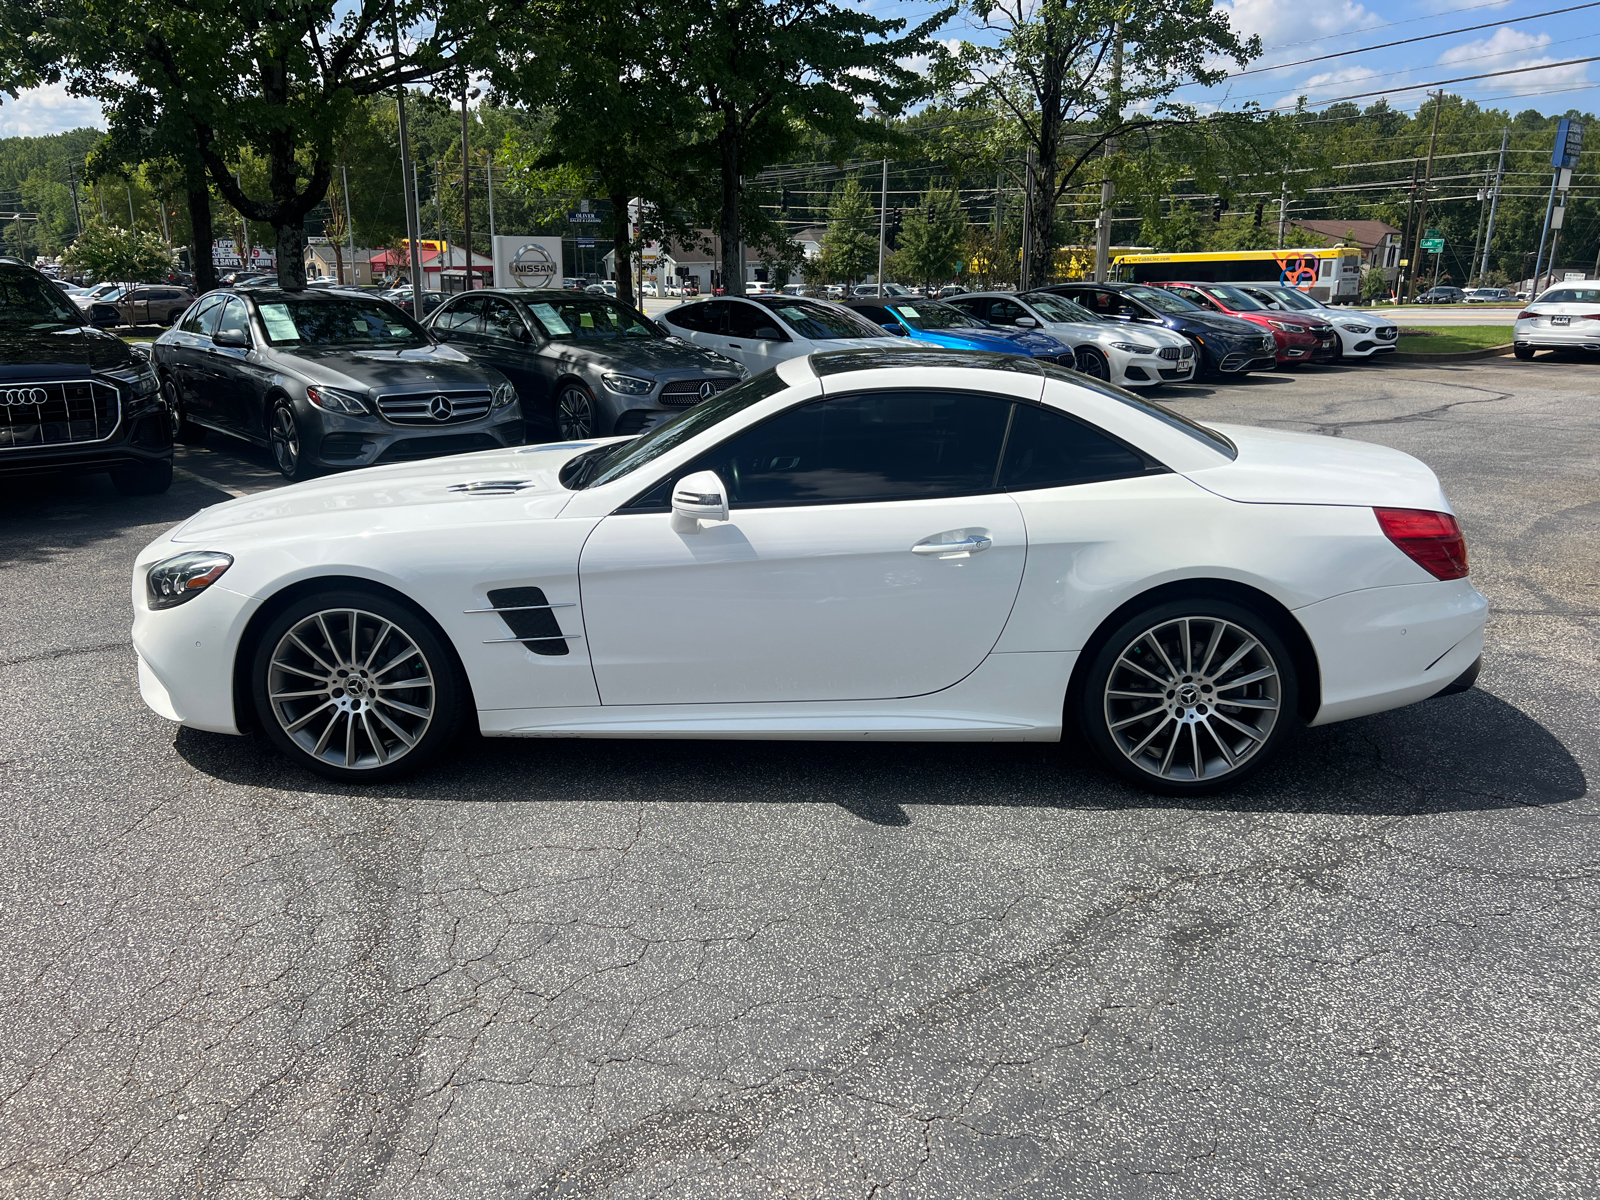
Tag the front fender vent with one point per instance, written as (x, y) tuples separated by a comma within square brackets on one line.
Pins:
[(531, 619), (490, 487)]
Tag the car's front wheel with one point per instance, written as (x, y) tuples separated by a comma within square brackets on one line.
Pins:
[(356, 686), (183, 429), (1190, 696), (1093, 363), (575, 415), (283, 435)]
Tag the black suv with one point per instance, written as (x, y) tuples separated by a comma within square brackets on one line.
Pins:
[(72, 397)]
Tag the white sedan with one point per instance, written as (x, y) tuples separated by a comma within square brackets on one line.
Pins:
[(1565, 317), (1104, 349), (1361, 334), (934, 546), (762, 331)]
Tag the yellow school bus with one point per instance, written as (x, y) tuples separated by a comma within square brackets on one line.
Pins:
[(1331, 274)]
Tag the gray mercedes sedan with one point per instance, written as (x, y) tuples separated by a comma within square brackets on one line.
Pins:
[(584, 365), (328, 379)]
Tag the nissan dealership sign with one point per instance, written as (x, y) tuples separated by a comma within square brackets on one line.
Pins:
[(527, 262)]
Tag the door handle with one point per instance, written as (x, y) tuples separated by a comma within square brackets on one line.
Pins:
[(971, 545)]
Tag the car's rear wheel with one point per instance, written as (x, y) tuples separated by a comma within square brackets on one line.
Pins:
[(356, 687), (1523, 352), (575, 415), (1093, 364), (283, 435), (1190, 696)]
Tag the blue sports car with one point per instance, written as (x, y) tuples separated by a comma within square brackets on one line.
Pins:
[(946, 325)]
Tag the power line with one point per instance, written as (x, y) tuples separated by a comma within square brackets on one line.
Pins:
[(1407, 41), (1412, 87)]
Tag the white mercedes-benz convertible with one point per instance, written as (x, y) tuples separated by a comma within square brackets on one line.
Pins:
[(900, 544)]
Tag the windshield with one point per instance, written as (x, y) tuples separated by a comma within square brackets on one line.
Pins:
[(1233, 298), (605, 463), (590, 317), (1161, 300), (1290, 298), (336, 319), (931, 314), (823, 322), (27, 302), (1569, 295), (1058, 308)]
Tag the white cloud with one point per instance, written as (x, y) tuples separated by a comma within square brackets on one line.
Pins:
[(1507, 49), (1329, 84), (50, 109), (1280, 23)]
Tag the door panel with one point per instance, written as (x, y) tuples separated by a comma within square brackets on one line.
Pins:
[(806, 603), (751, 340)]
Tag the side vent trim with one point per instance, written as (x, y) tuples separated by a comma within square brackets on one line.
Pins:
[(527, 613)]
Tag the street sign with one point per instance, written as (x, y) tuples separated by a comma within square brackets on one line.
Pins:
[(1569, 144), (584, 218), (585, 243), (1433, 244)]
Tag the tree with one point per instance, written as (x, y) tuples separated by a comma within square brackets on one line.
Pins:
[(764, 70), (273, 78), (1055, 68), (849, 249), (933, 240), (110, 253)]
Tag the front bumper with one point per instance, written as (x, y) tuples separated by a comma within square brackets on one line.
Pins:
[(346, 442), (142, 437), (186, 653), (1145, 370), (1383, 648)]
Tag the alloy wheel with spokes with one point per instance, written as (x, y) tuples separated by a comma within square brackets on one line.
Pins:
[(1093, 364), (1188, 697), (283, 434), (355, 686), (575, 412)]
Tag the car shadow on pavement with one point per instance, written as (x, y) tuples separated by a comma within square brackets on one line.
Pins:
[(1467, 752), (43, 517)]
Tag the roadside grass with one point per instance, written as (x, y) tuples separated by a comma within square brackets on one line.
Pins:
[(1451, 339)]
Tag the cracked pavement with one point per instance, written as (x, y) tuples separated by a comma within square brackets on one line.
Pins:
[(630, 970)]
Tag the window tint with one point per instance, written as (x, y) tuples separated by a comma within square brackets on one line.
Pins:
[(701, 318), (749, 321), (876, 313), (1005, 312), (855, 449), (203, 317), (1049, 449), (500, 320), (463, 317), (234, 318), (823, 322), (1057, 308), (1571, 295), (973, 308)]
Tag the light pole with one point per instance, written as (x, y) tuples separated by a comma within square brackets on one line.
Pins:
[(466, 200)]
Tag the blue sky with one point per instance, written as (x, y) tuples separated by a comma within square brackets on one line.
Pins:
[(1290, 30)]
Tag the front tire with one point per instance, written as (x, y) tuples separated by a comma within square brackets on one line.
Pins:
[(575, 413), (183, 429), (356, 687), (283, 435), (1190, 696), (1093, 364)]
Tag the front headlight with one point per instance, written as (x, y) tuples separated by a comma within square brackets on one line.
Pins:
[(628, 385), (1286, 326), (1356, 328), (335, 401), (504, 394), (172, 581), (141, 378), (1134, 347)]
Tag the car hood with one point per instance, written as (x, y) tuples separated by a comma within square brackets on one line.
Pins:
[(1106, 333), (1371, 318), (384, 370), (1278, 466), (460, 489), (1220, 323), (59, 352), (645, 354)]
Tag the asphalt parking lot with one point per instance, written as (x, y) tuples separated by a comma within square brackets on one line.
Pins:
[(619, 970)]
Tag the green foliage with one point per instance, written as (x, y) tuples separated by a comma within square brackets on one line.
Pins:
[(1373, 285), (850, 246), (933, 239), (108, 252)]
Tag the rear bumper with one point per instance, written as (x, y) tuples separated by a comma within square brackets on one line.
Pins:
[(1583, 336), (1383, 648)]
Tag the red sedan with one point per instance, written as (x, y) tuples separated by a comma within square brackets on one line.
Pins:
[(1301, 337)]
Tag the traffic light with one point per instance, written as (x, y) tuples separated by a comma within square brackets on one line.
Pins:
[(1260, 204), (1216, 209)]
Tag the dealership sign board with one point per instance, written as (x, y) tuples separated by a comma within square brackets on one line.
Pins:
[(226, 256), (527, 262)]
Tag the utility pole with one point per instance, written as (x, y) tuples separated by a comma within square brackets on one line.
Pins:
[(1494, 202), (408, 185), (132, 226), (1283, 211), (466, 199), (165, 236), (1102, 240), (488, 189), (349, 223), (994, 258), (883, 220), (1025, 278), (438, 215), (1427, 182), (77, 217)]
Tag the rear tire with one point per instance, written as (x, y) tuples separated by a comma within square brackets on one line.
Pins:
[(1523, 352), (1190, 696), (149, 479), (376, 710)]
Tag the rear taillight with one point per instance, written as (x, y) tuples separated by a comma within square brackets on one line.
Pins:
[(1525, 314), (1432, 540)]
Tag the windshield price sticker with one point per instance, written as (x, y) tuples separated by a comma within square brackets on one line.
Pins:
[(551, 319), (280, 325)]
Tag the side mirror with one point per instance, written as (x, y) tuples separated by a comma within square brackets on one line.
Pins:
[(1026, 323), (892, 327), (233, 339), (768, 333), (698, 497)]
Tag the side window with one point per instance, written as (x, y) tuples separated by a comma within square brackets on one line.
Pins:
[(871, 447), (701, 318), (501, 322), (1006, 312), (202, 318), (876, 313), (1048, 449), (234, 318), (753, 322), (463, 317)]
